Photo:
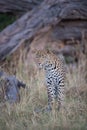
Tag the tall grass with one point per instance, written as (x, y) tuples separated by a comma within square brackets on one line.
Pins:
[(28, 114)]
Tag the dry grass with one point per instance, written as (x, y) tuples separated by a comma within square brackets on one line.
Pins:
[(23, 116)]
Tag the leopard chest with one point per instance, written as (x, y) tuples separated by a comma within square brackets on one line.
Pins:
[(51, 78)]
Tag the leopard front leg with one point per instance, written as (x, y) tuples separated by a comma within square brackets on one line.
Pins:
[(60, 96), (51, 97)]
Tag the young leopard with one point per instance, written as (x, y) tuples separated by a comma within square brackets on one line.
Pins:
[(54, 76)]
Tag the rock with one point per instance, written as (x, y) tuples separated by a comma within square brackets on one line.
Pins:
[(10, 86)]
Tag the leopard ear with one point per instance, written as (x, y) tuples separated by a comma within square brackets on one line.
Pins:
[(34, 51), (48, 50)]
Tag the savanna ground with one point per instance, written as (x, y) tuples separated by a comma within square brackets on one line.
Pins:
[(23, 116), (27, 114)]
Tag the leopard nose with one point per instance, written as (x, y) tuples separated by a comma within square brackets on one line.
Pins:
[(39, 64)]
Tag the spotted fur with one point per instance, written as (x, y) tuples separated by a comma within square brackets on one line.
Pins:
[(54, 75)]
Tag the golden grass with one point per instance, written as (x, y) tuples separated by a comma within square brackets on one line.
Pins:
[(23, 116)]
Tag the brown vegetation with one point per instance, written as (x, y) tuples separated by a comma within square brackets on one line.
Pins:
[(28, 113), (61, 26)]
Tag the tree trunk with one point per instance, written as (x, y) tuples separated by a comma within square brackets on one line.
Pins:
[(46, 16), (18, 6)]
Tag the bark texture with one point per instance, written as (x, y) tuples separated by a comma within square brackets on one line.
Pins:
[(50, 14), (9, 87), (18, 6)]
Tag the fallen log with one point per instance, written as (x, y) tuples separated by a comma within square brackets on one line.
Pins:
[(18, 7), (45, 16)]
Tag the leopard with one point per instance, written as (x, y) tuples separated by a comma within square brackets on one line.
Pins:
[(55, 76)]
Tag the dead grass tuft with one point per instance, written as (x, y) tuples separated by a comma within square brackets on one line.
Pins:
[(34, 98)]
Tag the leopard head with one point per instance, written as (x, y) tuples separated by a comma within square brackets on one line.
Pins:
[(43, 58)]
